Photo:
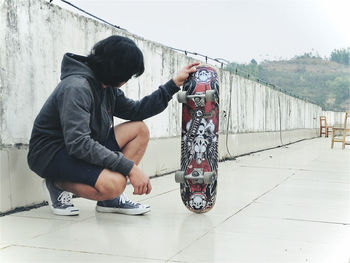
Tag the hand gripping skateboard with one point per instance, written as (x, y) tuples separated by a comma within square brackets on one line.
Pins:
[(199, 141)]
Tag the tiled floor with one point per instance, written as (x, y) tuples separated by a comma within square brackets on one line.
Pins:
[(283, 205)]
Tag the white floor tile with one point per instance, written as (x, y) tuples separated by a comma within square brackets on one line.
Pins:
[(293, 230), (119, 237), (43, 255), (238, 247), (14, 229), (309, 193), (323, 176), (300, 212)]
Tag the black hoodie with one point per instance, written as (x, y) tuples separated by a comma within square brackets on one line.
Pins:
[(79, 114)]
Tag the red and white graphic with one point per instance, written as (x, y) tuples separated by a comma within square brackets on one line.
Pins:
[(199, 146)]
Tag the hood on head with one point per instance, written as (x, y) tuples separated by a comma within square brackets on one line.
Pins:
[(75, 65)]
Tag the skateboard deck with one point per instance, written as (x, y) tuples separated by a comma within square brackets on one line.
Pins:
[(199, 141)]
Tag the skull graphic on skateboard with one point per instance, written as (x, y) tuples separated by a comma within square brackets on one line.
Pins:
[(199, 139)]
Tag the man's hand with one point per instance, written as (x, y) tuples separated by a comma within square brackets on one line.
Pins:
[(140, 181), (184, 73)]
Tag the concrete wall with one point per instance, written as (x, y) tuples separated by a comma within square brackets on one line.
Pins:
[(34, 37), (334, 118)]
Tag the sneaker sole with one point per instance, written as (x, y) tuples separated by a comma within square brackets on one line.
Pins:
[(59, 212), (139, 211)]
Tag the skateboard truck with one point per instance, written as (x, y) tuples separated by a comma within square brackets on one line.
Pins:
[(197, 176), (209, 95)]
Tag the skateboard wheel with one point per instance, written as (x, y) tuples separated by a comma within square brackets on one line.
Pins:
[(209, 177), (180, 176), (210, 95), (182, 96)]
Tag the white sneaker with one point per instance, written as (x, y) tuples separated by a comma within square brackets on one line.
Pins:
[(59, 200), (122, 205)]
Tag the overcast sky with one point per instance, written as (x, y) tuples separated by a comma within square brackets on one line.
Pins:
[(236, 30)]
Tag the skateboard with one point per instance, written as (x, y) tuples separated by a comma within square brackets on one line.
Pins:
[(199, 140)]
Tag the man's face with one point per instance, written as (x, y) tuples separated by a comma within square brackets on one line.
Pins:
[(118, 86)]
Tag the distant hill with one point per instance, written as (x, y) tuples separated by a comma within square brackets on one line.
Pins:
[(325, 82)]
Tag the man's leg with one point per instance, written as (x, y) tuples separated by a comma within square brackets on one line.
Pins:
[(132, 138), (108, 185)]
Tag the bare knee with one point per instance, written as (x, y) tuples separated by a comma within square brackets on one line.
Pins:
[(110, 185), (113, 190), (129, 131), (143, 131)]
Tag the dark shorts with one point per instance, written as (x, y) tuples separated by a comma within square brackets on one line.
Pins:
[(67, 168)]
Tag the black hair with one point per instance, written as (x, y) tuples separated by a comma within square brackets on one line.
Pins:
[(115, 60)]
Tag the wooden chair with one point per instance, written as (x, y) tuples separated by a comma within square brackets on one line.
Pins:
[(343, 131), (324, 128)]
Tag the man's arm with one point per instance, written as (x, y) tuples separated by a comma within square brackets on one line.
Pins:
[(154, 103), (148, 106)]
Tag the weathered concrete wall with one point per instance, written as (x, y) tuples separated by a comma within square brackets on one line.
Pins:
[(34, 37), (334, 118)]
